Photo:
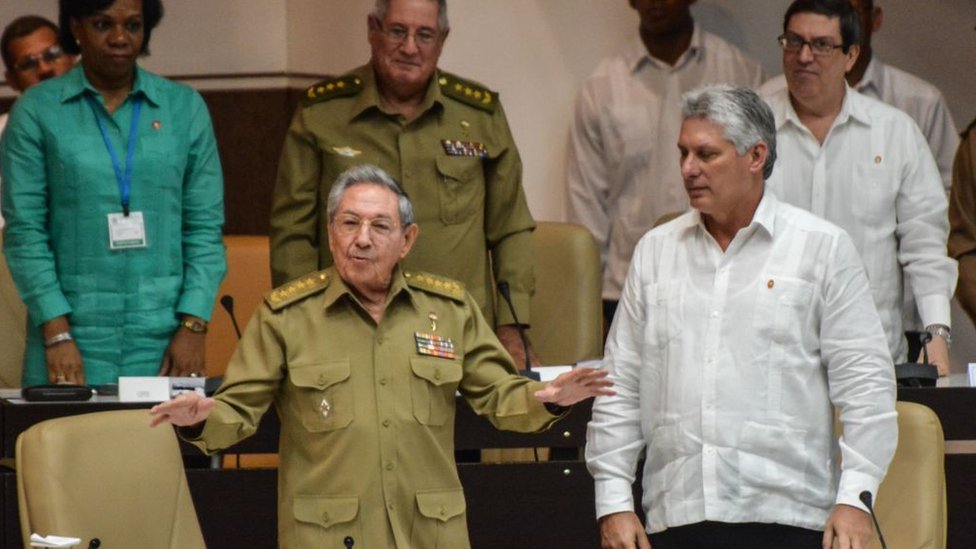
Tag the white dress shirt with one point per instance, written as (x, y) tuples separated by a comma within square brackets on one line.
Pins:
[(622, 166), (726, 368), (875, 177)]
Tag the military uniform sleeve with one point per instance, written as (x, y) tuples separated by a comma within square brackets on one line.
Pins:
[(509, 225), (295, 209), (25, 208), (252, 380), (962, 221), (204, 262), (491, 385)]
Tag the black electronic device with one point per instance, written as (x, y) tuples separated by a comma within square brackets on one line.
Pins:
[(57, 393), (227, 302), (506, 295), (918, 374), (866, 500)]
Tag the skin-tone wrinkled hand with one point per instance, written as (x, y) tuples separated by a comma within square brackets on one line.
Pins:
[(938, 350), (64, 364), (511, 339), (185, 410), (578, 384), (850, 526), (623, 531), (185, 354)]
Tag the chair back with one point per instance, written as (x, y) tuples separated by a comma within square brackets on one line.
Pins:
[(248, 279), (567, 312), (105, 475), (911, 506)]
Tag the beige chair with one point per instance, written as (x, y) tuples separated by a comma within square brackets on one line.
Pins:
[(248, 279), (567, 312), (911, 503), (106, 475)]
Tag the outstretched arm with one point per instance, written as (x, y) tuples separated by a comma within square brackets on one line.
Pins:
[(183, 411), (578, 384)]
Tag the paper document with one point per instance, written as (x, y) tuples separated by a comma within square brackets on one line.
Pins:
[(53, 541)]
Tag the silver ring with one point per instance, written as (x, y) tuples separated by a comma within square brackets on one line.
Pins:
[(60, 377), (194, 374)]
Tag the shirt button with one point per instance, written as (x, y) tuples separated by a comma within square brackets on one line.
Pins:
[(389, 466), (386, 423), (443, 511), (714, 314), (325, 517), (437, 374), (383, 381)]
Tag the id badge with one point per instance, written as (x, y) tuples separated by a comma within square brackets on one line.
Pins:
[(126, 232)]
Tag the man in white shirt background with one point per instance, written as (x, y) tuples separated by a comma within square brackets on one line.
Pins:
[(741, 325), (621, 175), (31, 54), (864, 166)]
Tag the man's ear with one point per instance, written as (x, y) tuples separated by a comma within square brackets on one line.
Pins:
[(877, 17), (409, 237), (758, 155), (852, 54)]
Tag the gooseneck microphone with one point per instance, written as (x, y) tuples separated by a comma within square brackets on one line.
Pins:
[(227, 302), (95, 543), (915, 374), (527, 372), (866, 500), (348, 542)]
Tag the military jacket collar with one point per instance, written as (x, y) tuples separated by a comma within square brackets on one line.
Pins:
[(369, 98)]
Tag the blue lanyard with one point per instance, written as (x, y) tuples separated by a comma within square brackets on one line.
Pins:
[(125, 181)]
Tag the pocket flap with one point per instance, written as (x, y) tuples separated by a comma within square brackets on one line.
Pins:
[(437, 371), (442, 505), (460, 168), (326, 511), (321, 375)]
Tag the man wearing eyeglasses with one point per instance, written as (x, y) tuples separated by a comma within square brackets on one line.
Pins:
[(362, 362), (866, 167), (444, 138), (31, 54)]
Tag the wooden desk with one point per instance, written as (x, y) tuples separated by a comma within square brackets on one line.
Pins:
[(509, 505)]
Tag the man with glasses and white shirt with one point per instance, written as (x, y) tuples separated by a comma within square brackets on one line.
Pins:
[(447, 141), (31, 54), (864, 166)]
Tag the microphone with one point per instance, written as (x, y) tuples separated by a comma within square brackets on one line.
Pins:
[(527, 372), (349, 542), (227, 302), (913, 374), (866, 500), (95, 543)]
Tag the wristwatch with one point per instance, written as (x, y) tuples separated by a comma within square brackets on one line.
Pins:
[(942, 331), (195, 326)]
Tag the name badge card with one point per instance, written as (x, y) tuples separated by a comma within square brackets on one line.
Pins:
[(126, 231)]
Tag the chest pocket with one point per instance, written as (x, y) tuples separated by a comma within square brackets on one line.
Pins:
[(461, 187), (433, 387), (323, 395), (874, 199), (666, 318), (782, 309)]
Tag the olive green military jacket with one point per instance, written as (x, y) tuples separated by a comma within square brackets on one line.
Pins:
[(457, 160), (367, 410)]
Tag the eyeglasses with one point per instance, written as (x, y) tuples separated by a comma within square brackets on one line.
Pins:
[(381, 227), (819, 46), (32, 62), (397, 35)]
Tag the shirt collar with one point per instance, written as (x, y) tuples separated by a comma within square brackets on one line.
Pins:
[(851, 108), (873, 74), (76, 84), (635, 54), (764, 217), (369, 98), (338, 290)]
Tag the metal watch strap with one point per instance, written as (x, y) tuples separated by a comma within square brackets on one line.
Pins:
[(194, 326), (57, 338), (942, 331)]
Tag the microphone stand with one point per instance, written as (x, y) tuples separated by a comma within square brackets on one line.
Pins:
[(865, 497), (527, 372)]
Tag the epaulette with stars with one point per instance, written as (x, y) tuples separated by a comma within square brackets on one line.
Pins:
[(296, 290), (331, 88), (467, 92), (435, 284)]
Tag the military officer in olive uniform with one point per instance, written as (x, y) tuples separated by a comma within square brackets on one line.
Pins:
[(445, 139), (362, 361)]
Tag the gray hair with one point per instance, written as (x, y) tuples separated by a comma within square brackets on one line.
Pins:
[(368, 174), (379, 12), (744, 117)]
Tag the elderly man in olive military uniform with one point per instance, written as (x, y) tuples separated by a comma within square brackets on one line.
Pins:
[(362, 361), (445, 139)]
